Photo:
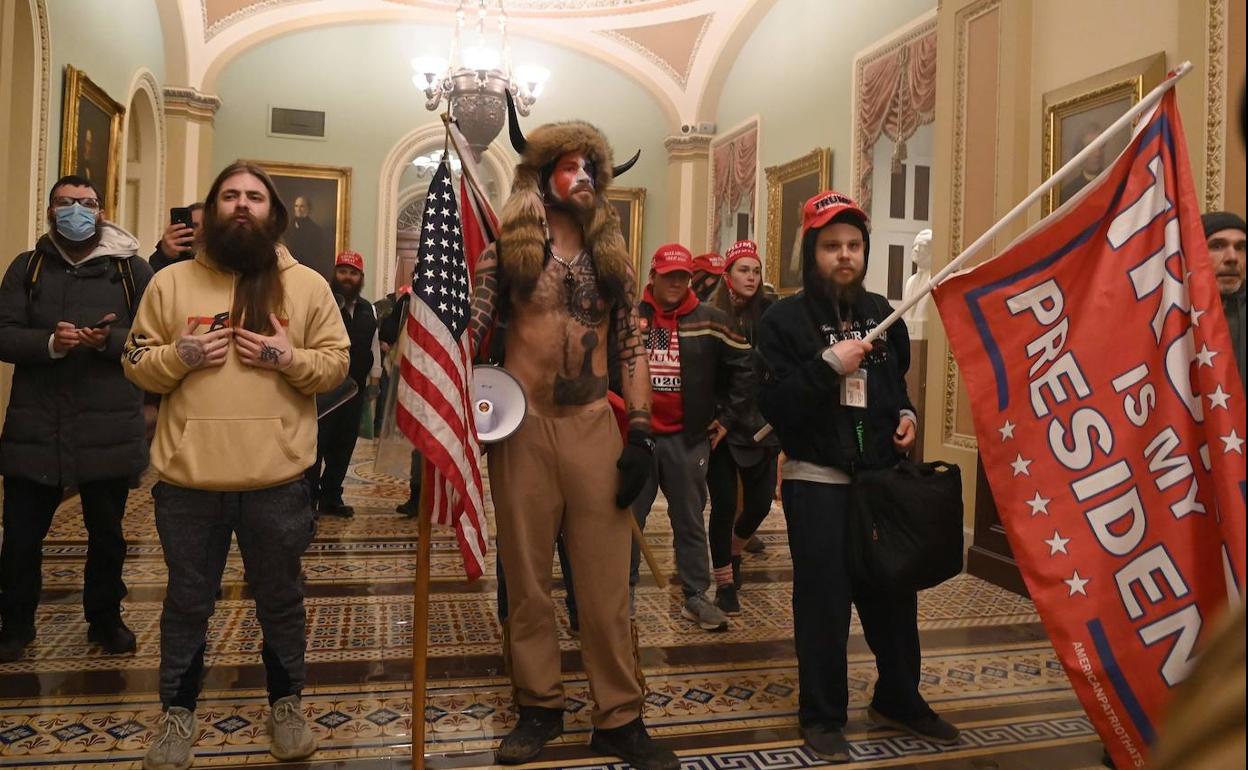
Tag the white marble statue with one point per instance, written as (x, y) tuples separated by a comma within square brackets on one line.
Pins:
[(916, 317)]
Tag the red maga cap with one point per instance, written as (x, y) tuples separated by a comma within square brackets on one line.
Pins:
[(710, 262), (672, 257), (350, 259), (741, 250), (820, 209)]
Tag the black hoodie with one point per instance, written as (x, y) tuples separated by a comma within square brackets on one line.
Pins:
[(799, 393)]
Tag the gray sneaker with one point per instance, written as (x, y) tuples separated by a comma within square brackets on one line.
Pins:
[(289, 734), (708, 617), (178, 732)]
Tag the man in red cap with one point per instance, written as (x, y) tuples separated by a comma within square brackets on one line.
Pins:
[(708, 271), (691, 348), (838, 405), (338, 430)]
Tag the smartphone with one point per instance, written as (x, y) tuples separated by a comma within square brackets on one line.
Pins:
[(103, 324), (181, 215)]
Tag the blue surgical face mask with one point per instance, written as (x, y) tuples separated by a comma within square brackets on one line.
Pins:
[(76, 222)]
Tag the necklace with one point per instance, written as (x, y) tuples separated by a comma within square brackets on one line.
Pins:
[(569, 279)]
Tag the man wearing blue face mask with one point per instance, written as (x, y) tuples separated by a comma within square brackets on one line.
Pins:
[(74, 420)]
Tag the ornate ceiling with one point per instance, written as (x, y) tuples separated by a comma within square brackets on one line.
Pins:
[(679, 50)]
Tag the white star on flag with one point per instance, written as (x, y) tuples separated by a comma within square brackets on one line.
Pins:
[(1057, 544), (1205, 356), (1196, 314), (1217, 399), (1020, 466), (1233, 443), (1007, 430), (1077, 584), (1039, 504)]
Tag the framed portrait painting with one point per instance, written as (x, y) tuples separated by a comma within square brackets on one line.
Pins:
[(91, 136), (1078, 113), (789, 186), (318, 200), (630, 205)]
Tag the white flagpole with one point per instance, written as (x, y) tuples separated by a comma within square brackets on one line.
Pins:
[(1145, 104)]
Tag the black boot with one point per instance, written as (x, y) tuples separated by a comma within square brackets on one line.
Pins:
[(726, 599), (114, 637), (634, 745), (537, 727)]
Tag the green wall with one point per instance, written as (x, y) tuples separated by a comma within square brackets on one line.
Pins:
[(360, 75), (109, 41), (796, 73)]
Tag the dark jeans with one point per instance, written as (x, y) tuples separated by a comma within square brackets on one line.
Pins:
[(274, 527), (817, 517), (28, 510), (564, 565), (336, 435), (758, 485)]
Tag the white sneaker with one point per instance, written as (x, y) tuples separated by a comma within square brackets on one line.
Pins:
[(172, 748), (290, 737), (708, 617)]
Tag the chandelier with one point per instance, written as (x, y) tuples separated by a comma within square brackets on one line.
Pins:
[(474, 80)]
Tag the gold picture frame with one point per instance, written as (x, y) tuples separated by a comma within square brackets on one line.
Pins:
[(789, 186), (1075, 113), (314, 243), (88, 112), (630, 205)]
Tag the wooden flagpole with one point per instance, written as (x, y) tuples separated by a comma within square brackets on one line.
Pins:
[(420, 620)]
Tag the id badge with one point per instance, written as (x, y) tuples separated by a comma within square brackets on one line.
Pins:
[(854, 390)]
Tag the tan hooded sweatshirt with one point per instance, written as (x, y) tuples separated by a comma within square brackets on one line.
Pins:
[(234, 427)]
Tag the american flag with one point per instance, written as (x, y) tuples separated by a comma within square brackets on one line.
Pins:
[(434, 407)]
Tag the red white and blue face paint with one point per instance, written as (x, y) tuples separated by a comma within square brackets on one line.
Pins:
[(573, 174)]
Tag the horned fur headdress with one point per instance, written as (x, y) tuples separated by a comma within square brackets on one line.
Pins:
[(523, 233)]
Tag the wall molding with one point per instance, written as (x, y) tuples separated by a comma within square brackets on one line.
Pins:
[(190, 104), (145, 80), (949, 400), (1216, 105), (39, 189)]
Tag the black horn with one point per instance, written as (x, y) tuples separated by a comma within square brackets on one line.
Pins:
[(625, 166), (518, 142)]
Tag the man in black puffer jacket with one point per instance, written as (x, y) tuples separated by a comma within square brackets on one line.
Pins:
[(839, 405), (73, 420)]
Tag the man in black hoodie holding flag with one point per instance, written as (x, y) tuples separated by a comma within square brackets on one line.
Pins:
[(839, 405)]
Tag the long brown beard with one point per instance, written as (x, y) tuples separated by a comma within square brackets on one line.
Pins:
[(251, 251)]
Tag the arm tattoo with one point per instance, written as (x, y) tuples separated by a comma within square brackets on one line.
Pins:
[(634, 366), (191, 351), (270, 354), (484, 298)]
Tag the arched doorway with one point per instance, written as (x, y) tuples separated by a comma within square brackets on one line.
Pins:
[(141, 211), (24, 65)]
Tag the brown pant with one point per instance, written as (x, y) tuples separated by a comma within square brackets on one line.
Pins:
[(558, 473)]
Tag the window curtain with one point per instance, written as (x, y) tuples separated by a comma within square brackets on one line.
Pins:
[(896, 95), (734, 178)]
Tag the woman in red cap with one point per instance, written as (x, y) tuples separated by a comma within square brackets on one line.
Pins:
[(738, 456)]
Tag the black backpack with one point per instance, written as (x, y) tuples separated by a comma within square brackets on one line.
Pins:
[(905, 526), (121, 272)]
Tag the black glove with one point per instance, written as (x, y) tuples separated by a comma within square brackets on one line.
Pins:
[(635, 465)]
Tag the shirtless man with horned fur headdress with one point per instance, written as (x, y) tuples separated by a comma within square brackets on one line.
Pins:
[(561, 278)]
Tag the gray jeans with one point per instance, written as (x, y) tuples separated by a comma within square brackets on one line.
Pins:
[(274, 527), (680, 465)]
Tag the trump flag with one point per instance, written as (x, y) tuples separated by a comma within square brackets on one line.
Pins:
[(1110, 420)]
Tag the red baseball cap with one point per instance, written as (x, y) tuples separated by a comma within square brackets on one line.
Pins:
[(710, 262), (741, 250), (350, 259), (820, 210), (672, 257)]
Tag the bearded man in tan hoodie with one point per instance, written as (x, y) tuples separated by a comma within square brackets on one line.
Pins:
[(237, 341)]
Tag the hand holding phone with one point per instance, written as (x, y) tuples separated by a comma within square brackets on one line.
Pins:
[(179, 237)]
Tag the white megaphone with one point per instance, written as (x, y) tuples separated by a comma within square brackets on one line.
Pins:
[(498, 403)]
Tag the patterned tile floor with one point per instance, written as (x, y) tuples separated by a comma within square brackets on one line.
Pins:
[(722, 701)]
